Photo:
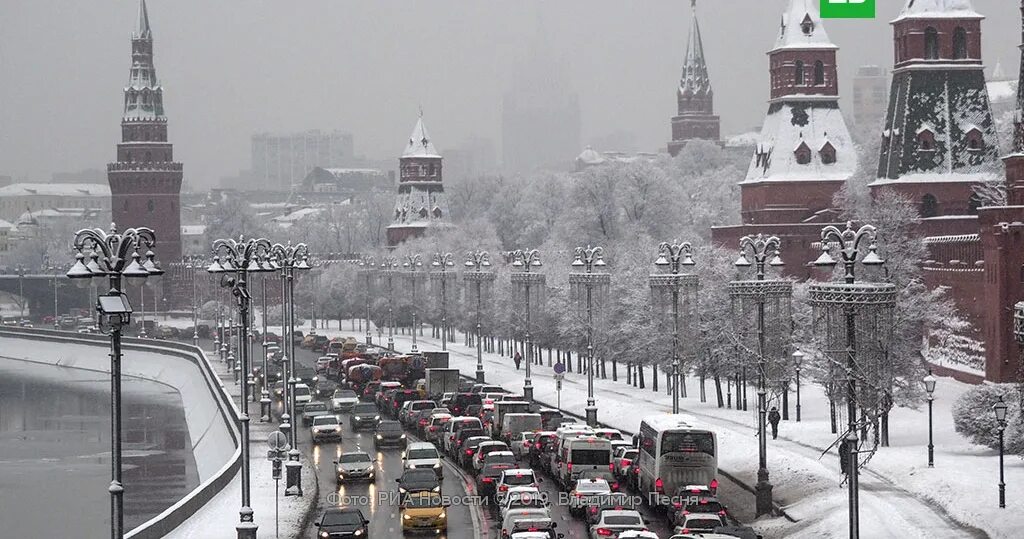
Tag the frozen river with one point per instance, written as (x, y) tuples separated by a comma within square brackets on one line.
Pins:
[(55, 451)]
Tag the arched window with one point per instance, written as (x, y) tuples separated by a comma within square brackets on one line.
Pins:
[(827, 153), (803, 154), (423, 213), (960, 43), (975, 142), (819, 73), (807, 25), (437, 213), (799, 78), (926, 140), (931, 44), (929, 205)]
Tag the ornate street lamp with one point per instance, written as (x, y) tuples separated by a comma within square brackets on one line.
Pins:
[(479, 262), (673, 258), (798, 362), (1000, 410), (389, 265), (118, 258), (412, 263), (439, 272), (194, 264), (528, 281), (774, 295), (367, 265), (841, 308), (587, 259), (929, 387)]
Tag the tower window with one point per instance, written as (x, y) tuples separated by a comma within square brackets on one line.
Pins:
[(799, 78), (803, 154), (960, 43), (975, 142), (437, 213), (819, 73), (931, 43), (929, 205), (807, 25), (827, 153), (423, 213), (926, 140)]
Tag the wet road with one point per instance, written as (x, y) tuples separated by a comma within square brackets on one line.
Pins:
[(55, 451)]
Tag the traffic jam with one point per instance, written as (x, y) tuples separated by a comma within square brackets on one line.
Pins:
[(528, 466)]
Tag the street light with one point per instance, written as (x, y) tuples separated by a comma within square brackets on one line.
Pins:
[(524, 264), (841, 304), (412, 263), (673, 257), (120, 259), (798, 361), (1000, 410), (366, 267), (21, 292), (389, 265), (929, 386), (241, 259), (440, 265), (588, 259), (479, 262), (193, 264)]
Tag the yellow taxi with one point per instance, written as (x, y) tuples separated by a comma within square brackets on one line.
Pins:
[(424, 511)]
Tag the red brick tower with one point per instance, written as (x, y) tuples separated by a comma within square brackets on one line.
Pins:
[(939, 138), (421, 201), (696, 119), (145, 182)]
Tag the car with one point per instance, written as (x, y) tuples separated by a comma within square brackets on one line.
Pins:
[(435, 427), (399, 398), (389, 434), (460, 401), (614, 501), (551, 418), (325, 427), (487, 448), (607, 475), (488, 477), (302, 395), (638, 534), (319, 343), (306, 375), (364, 414), (543, 444), (484, 388), (462, 436), (453, 426), (703, 504), (523, 514), (514, 477), (343, 400), (278, 390), (422, 455), (369, 391), (496, 457), (623, 457), (297, 337), (322, 363), (424, 511), (518, 497), (313, 409), (699, 523), (422, 418), (409, 408), (469, 448), (520, 444), (355, 466), (586, 492), (342, 522), (612, 523), (418, 480), (534, 529)]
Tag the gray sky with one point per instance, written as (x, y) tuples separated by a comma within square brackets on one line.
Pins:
[(231, 67)]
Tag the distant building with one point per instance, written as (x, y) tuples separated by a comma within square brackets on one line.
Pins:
[(281, 161), (1002, 91), (6, 230), (345, 182), (870, 96), (92, 175), (421, 201), (590, 158), (19, 198), (194, 240), (696, 118), (475, 157)]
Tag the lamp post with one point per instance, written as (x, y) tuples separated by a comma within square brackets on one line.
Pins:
[(1000, 410), (289, 258), (241, 259), (588, 258), (265, 390), (412, 263), (21, 291), (798, 361), (842, 301), (479, 262), (441, 263), (366, 267), (119, 259), (673, 257), (524, 262), (192, 265), (388, 265), (929, 386)]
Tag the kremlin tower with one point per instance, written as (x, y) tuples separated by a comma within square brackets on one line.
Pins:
[(145, 182), (696, 119), (421, 201)]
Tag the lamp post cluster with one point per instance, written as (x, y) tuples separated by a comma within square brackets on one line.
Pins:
[(479, 262), (115, 256), (525, 265), (588, 259), (194, 264), (412, 263), (439, 272), (389, 265), (673, 258), (367, 265)]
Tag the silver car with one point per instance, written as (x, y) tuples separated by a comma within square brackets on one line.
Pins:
[(355, 466)]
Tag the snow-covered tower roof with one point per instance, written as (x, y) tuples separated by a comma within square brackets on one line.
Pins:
[(143, 96), (802, 28), (696, 118), (695, 77), (142, 29), (420, 144), (960, 9)]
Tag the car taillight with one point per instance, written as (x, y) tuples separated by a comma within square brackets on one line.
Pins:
[(433, 429), (684, 530), (526, 443), (611, 466), (593, 509), (678, 505), (469, 451), (423, 422), (659, 486), (487, 480), (536, 445), (604, 532), (615, 486), (626, 463), (568, 466), (503, 488), (636, 471), (721, 513)]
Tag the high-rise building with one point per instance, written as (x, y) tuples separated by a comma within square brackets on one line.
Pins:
[(421, 201), (145, 181), (696, 118), (870, 96), (281, 161)]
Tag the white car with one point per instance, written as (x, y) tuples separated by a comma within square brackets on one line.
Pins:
[(523, 513), (613, 523), (639, 534), (422, 455), (324, 428), (699, 523), (486, 448), (608, 434), (520, 497), (302, 395), (434, 429), (514, 477), (584, 489), (520, 444), (343, 400)]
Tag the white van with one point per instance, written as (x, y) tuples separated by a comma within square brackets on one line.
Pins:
[(454, 425), (576, 455), (516, 423)]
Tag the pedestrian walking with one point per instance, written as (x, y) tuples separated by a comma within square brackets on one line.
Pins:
[(774, 418), (518, 358), (844, 457)]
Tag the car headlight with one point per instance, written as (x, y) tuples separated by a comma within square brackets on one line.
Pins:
[(406, 517), (379, 437), (436, 489), (442, 514), (316, 378), (401, 490), (337, 429), (324, 534), (403, 436), (438, 465), (376, 418), (358, 533)]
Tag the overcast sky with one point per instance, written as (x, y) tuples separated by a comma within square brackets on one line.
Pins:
[(232, 67)]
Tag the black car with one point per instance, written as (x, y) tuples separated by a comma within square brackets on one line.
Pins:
[(364, 414), (324, 388), (306, 375), (462, 436), (389, 433), (489, 476), (461, 401), (418, 480), (399, 398), (342, 522)]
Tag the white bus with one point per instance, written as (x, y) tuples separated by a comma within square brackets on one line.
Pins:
[(675, 451)]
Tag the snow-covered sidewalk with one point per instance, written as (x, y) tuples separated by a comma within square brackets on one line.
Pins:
[(900, 496)]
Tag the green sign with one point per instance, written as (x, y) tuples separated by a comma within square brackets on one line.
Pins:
[(848, 9)]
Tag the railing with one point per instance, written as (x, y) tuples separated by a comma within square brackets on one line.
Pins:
[(955, 253), (145, 165)]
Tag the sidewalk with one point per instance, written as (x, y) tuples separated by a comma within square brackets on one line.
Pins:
[(900, 497), (219, 516)]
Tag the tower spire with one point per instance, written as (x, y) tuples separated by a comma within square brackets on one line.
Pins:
[(696, 118), (1018, 132), (695, 77), (142, 29)]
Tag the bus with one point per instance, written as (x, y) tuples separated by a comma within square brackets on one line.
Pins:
[(675, 452)]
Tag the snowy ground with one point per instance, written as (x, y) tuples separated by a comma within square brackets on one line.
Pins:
[(900, 496)]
